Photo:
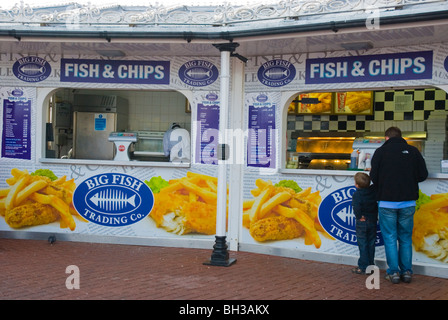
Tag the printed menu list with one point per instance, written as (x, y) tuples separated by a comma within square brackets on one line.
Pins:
[(16, 129), (207, 137), (261, 139)]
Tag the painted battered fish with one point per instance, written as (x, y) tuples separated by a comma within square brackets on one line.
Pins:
[(33, 214)]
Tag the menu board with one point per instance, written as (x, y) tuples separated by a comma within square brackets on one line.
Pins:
[(16, 129), (261, 137), (315, 103), (351, 102), (355, 102), (207, 133)]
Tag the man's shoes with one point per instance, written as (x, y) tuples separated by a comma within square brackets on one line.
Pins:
[(406, 277), (394, 277)]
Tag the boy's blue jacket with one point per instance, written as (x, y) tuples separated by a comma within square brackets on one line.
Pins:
[(364, 203)]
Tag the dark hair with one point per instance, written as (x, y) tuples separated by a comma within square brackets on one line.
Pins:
[(362, 180), (393, 132)]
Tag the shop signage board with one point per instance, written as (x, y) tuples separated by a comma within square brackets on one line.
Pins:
[(368, 68), (87, 71), (115, 71), (342, 70)]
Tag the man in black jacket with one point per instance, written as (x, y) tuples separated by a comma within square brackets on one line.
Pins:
[(397, 168)]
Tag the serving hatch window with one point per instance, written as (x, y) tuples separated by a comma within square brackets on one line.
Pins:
[(354, 114), (80, 121)]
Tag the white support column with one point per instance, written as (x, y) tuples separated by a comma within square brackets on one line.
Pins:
[(220, 255), (237, 151), (222, 164)]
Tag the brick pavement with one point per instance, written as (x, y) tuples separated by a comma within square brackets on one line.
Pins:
[(36, 270)]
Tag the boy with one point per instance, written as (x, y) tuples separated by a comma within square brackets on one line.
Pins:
[(365, 209)]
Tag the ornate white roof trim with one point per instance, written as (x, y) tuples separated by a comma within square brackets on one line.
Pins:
[(219, 15)]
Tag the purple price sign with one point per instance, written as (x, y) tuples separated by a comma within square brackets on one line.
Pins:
[(16, 129), (261, 136), (207, 134)]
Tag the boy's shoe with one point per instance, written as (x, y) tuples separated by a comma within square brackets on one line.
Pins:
[(394, 277), (406, 277), (358, 270)]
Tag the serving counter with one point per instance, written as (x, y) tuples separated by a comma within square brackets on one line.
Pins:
[(134, 163)]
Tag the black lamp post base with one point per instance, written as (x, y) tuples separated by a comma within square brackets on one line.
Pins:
[(220, 255)]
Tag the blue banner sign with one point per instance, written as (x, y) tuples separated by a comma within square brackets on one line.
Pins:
[(115, 71), (382, 67)]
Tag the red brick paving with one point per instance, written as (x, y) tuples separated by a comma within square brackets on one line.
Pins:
[(36, 270)]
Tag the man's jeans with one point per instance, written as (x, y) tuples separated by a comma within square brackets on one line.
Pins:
[(396, 225)]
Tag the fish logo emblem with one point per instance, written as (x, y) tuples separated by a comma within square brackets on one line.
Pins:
[(276, 73), (31, 69), (198, 73), (336, 216), (347, 216), (113, 199)]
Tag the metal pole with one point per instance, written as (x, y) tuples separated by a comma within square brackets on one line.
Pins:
[(222, 164), (220, 255)]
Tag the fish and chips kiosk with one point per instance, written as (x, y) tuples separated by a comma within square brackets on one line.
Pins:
[(288, 106)]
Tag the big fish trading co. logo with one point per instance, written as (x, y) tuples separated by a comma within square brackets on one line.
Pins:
[(337, 218), (198, 73), (113, 199), (31, 69), (276, 73)]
